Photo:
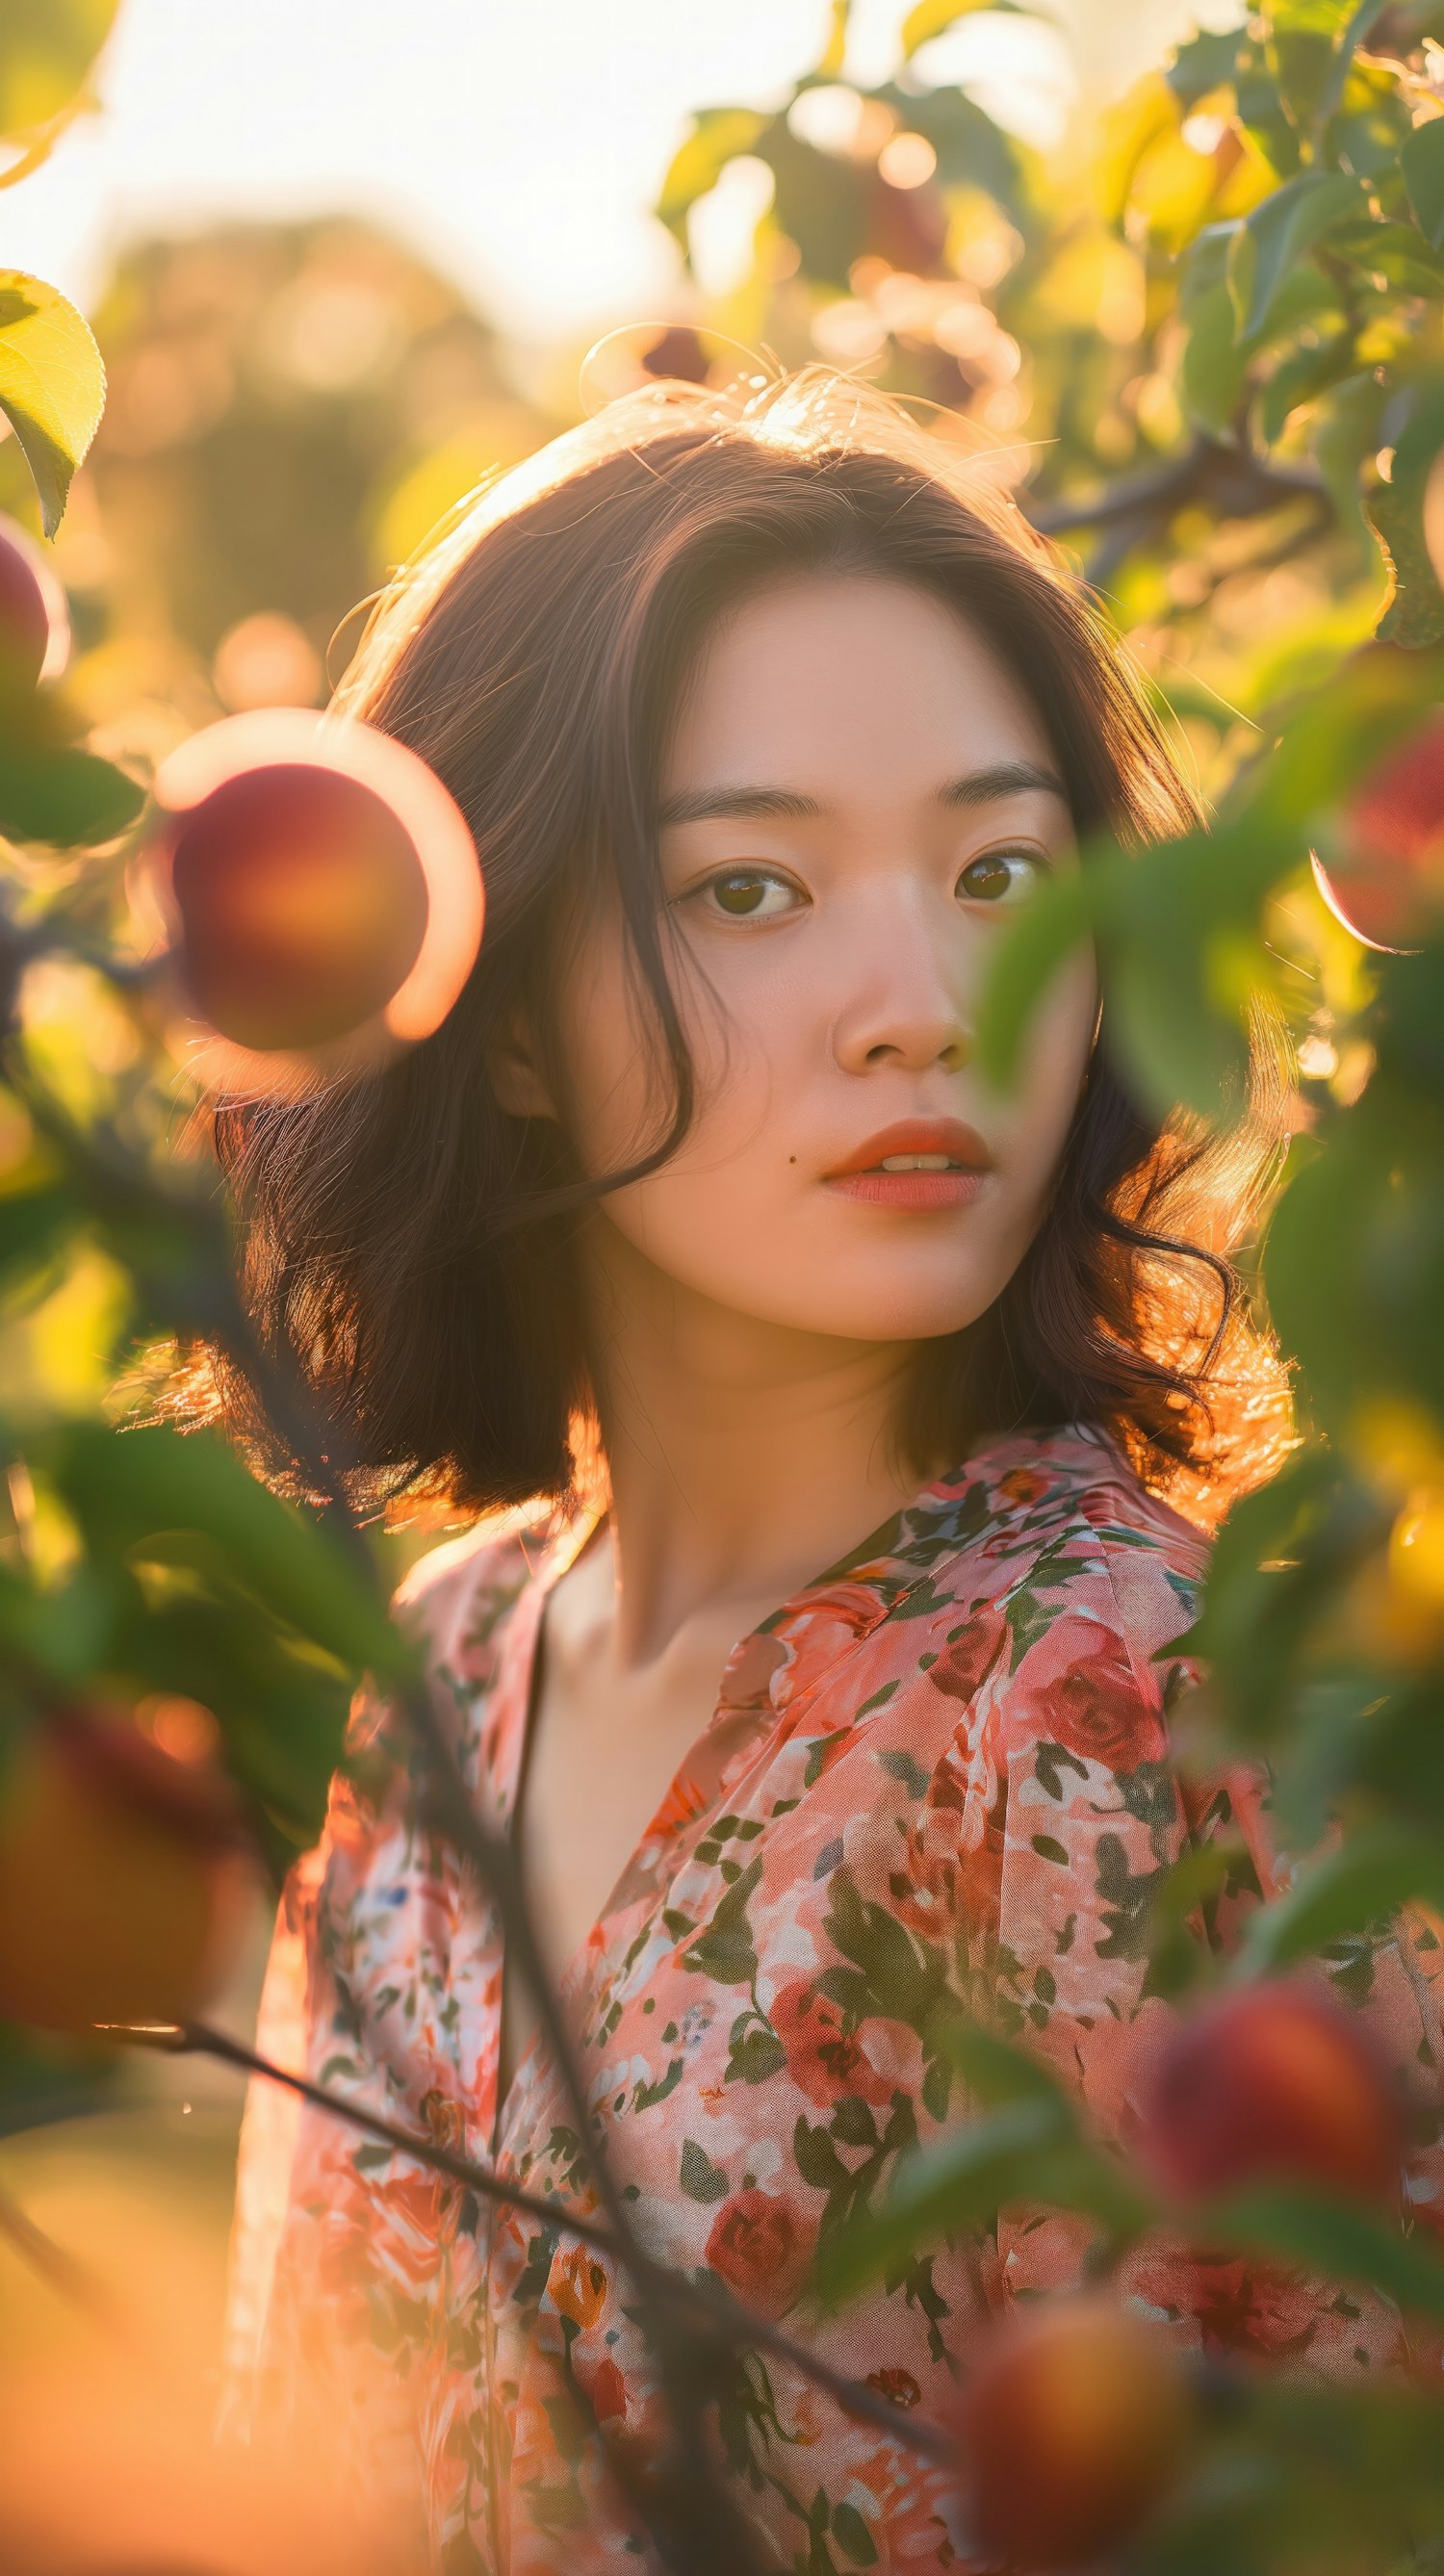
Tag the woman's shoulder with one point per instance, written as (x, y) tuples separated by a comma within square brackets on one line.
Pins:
[(1058, 1582), (1047, 1494), (456, 1599)]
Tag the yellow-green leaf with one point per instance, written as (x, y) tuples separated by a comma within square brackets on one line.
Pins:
[(932, 17), (52, 384), (46, 49), (830, 67), (718, 135), (47, 52)]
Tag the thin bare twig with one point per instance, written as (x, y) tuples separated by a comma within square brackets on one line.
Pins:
[(714, 2313), (73, 2281), (1237, 483)]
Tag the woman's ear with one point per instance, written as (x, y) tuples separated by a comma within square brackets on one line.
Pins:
[(515, 1075)]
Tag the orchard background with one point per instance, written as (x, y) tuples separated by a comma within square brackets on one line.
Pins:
[(1200, 339)]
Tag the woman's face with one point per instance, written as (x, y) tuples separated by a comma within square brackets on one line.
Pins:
[(856, 800)]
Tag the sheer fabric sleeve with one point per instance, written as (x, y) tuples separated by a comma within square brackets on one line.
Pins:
[(1097, 1811), (333, 2250)]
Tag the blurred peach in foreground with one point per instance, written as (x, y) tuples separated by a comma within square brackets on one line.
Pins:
[(321, 890), (124, 1880), (1273, 2082), (1076, 2421)]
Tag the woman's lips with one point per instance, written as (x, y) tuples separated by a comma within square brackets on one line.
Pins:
[(956, 1162), (909, 1189)]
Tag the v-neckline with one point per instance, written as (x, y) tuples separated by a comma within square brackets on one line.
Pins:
[(738, 1690)]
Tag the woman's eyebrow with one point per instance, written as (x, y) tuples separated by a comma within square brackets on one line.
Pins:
[(976, 787)]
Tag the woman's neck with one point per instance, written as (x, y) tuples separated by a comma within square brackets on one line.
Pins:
[(743, 1457)]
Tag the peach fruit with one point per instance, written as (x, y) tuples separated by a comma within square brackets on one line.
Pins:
[(1075, 2422), (124, 1881), (1272, 2082)]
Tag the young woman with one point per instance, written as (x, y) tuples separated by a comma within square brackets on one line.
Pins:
[(854, 1428)]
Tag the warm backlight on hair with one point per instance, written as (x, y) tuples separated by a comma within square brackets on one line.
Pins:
[(322, 897)]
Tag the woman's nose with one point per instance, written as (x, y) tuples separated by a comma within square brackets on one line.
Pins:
[(901, 1007)]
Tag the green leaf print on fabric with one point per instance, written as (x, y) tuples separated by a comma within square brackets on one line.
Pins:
[(754, 2051), (894, 1980), (699, 2177), (723, 1949), (1128, 1898)]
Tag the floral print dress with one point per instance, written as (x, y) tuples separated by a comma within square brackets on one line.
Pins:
[(944, 1764)]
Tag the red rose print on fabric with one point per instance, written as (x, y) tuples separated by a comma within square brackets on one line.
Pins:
[(899, 2385), (969, 1657), (608, 2391), (761, 2246), (825, 2060), (1084, 1694), (925, 1886), (1242, 2307)]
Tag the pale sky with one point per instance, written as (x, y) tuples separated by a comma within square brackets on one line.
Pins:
[(515, 142)]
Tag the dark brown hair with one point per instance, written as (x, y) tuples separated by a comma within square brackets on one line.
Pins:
[(411, 1244)]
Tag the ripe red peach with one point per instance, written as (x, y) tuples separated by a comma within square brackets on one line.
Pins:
[(1075, 2422), (321, 879), (303, 903), (1383, 876), (123, 1876), (1275, 2081), (34, 625)]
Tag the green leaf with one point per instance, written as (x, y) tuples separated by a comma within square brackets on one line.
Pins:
[(1279, 233), (997, 2072), (1395, 510), (1169, 1042), (1177, 1960), (1394, 252), (1214, 367), (1357, 25), (1422, 161), (834, 52), (1301, 377), (1023, 2152), (1050, 926), (131, 1490), (1375, 1871), (1204, 64), (931, 18), (48, 48), (64, 797), (34, 1224), (52, 384), (1335, 2237), (1345, 431), (1308, 49), (719, 135)]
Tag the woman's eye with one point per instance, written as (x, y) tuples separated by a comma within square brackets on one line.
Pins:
[(999, 874), (748, 894)]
